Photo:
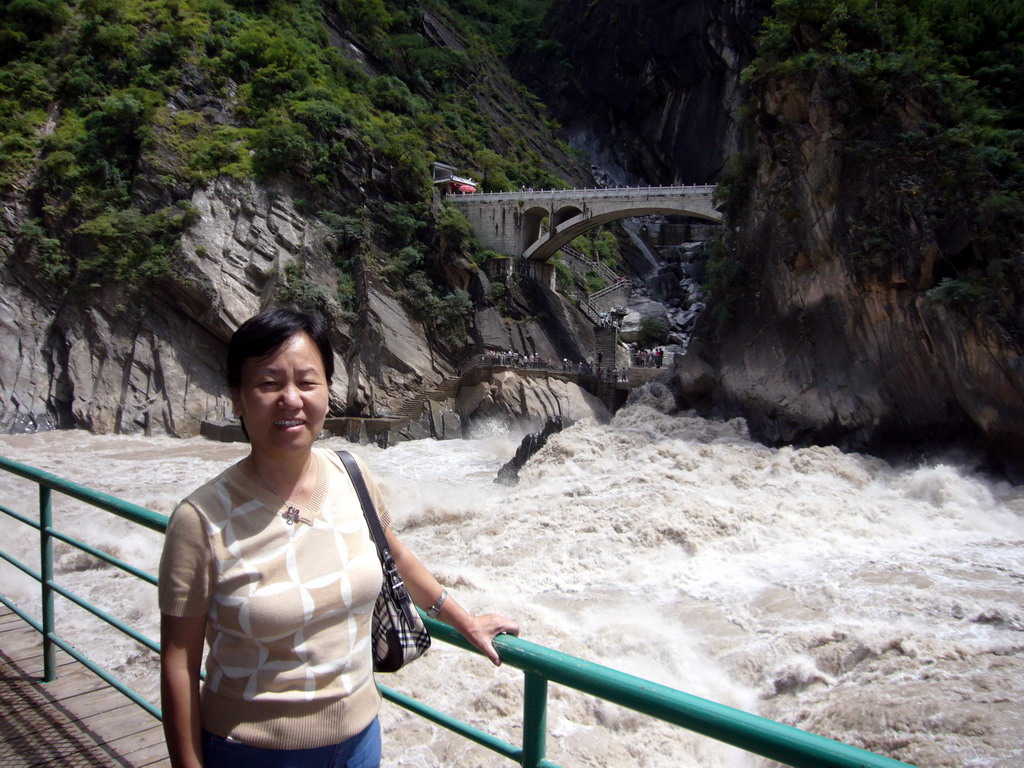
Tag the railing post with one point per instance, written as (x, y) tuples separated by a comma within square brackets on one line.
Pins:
[(46, 572), (535, 719)]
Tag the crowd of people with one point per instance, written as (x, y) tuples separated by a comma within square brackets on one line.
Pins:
[(648, 358), (639, 358), (513, 359)]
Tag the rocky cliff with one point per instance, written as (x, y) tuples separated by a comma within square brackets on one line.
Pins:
[(864, 294), (156, 364), (144, 217), (868, 289), (648, 89), (838, 326)]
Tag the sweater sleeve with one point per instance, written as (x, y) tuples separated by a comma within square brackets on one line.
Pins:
[(186, 565)]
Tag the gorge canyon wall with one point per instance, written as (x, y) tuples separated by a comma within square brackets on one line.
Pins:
[(649, 90), (828, 330), (153, 362), (832, 326), (835, 333)]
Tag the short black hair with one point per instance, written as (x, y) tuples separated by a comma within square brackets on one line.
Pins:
[(262, 335)]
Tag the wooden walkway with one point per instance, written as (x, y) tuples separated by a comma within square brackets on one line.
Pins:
[(75, 721)]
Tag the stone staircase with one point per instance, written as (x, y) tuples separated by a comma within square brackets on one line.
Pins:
[(606, 341), (412, 407), (587, 263), (593, 313)]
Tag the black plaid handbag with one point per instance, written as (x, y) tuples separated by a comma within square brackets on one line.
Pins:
[(397, 633)]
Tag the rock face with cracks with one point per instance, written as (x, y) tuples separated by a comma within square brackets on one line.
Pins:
[(650, 90), (832, 336), (528, 401), (157, 365), (109, 362)]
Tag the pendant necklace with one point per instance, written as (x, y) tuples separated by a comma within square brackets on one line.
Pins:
[(292, 515)]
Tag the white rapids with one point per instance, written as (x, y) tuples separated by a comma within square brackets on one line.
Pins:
[(878, 605)]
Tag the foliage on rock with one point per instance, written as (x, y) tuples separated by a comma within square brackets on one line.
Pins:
[(868, 288), (118, 109), (924, 101)]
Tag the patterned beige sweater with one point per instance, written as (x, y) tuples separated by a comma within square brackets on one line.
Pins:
[(288, 606)]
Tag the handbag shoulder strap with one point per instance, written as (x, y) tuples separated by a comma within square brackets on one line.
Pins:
[(369, 510), (387, 561)]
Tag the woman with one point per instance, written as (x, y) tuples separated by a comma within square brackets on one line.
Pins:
[(271, 562)]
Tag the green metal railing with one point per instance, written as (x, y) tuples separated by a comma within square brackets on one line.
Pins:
[(47, 533), (539, 664)]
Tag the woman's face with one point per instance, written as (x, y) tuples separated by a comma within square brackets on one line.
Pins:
[(283, 397)]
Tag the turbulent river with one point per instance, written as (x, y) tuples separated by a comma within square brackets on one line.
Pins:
[(879, 605)]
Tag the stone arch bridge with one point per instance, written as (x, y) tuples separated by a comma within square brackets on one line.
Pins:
[(513, 223)]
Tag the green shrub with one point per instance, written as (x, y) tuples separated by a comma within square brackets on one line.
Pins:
[(723, 283), (593, 281), (965, 295), (281, 146), (130, 247), (35, 18), (272, 83), (25, 85), (348, 233), (54, 266), (652, 332), (737, 181), (453, 225), (401, 263), (584, 245), (606, 248), (322, 117), (224, 151), (403, 223), (346, 292), (296, 289), (482, 256), (447, 313), (368, 17), (565, 277), (391, 94)]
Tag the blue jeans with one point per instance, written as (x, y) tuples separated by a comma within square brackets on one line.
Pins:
[(360, 751)]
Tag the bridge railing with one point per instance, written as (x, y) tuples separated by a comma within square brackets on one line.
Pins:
[(590, 193), (540, 665), (592, 313)]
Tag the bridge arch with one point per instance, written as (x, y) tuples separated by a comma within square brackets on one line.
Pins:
[(533, 218), (543, 248), (565, 213), (533, 221)]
